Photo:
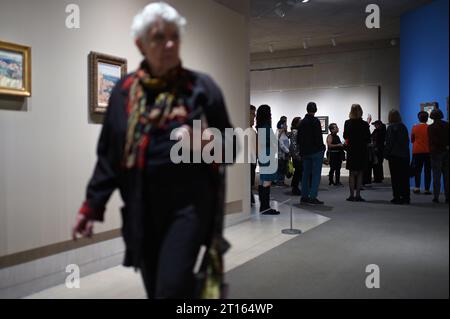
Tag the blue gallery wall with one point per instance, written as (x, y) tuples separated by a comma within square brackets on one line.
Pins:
[(424, 59)]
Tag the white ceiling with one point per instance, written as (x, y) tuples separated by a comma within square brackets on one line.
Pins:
[(318, 21)]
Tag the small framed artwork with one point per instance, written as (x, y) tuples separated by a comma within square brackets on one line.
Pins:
[(324, 120), (15, 69), (429, 107), (104, 72)]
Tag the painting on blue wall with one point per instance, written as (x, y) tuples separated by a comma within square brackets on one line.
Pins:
[(429, 107)]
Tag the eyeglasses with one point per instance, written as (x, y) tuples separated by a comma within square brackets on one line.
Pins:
[(160, 39)]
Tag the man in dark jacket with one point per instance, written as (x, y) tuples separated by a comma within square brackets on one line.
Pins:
[(438, 135), (312, 149)]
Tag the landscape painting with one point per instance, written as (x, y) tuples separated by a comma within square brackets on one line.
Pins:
[(15, 69), (104, 72), (11, 70), (108, 76)]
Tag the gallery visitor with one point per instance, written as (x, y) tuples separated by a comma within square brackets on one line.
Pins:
[(170, 210)]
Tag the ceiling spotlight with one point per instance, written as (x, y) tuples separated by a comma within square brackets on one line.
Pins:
[(333, 42), (393, 42), (271, 48), (296, 2), (279, 11)]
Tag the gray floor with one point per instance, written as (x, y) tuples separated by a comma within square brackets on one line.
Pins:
[(410, 244)]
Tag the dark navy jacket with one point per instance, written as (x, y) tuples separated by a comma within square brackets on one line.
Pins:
[(110, 175)]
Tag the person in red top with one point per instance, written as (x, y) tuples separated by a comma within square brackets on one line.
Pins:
[(421, 152)]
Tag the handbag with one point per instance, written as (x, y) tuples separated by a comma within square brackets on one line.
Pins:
[(209, 279), (290, 169)]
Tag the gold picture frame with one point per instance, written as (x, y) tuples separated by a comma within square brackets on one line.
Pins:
[(15, 69), (104, 72)]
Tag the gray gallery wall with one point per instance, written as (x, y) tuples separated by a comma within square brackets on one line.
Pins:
[(48, 141), (351, 65)]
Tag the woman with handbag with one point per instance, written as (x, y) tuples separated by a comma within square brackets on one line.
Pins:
[(165, 224)]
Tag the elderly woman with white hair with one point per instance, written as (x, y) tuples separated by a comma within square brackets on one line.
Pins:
[(172, 211)]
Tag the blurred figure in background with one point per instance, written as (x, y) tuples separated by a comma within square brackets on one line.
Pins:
[(421, 158), (397, 153), (283, 152), (296, 159), (378, 140)]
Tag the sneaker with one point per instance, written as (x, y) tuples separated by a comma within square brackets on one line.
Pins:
[(305, 201), (359, 199), (339, 184), (351, 199), (406, 201), (436, 200), (416, 191), (296, 192), (315, 201), (271, 212)]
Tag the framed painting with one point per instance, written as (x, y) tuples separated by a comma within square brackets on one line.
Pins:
[(324, 120), (429, 107), (15, 69), (104, 72)]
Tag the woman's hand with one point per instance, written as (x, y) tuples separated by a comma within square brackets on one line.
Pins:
[(83, 226)]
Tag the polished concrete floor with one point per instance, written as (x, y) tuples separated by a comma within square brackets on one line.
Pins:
[(409, 244), (249, 240)]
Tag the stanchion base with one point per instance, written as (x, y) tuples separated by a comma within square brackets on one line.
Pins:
[(291, 231)]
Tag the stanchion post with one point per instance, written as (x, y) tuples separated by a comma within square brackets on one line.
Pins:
[(291, 231)]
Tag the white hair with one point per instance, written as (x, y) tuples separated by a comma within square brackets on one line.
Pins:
[(151, 13)]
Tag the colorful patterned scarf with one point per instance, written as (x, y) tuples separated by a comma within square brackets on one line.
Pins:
[(143, 118)]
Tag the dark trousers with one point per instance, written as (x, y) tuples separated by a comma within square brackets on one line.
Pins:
[(378, 174), (439, 163), (178, 222), (335, 168), (312, 172), (399, 168), (252, 181), (298, 173), (422, 162), (367, 177)]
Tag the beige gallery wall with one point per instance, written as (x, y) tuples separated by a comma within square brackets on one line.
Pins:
[(48, 141)]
